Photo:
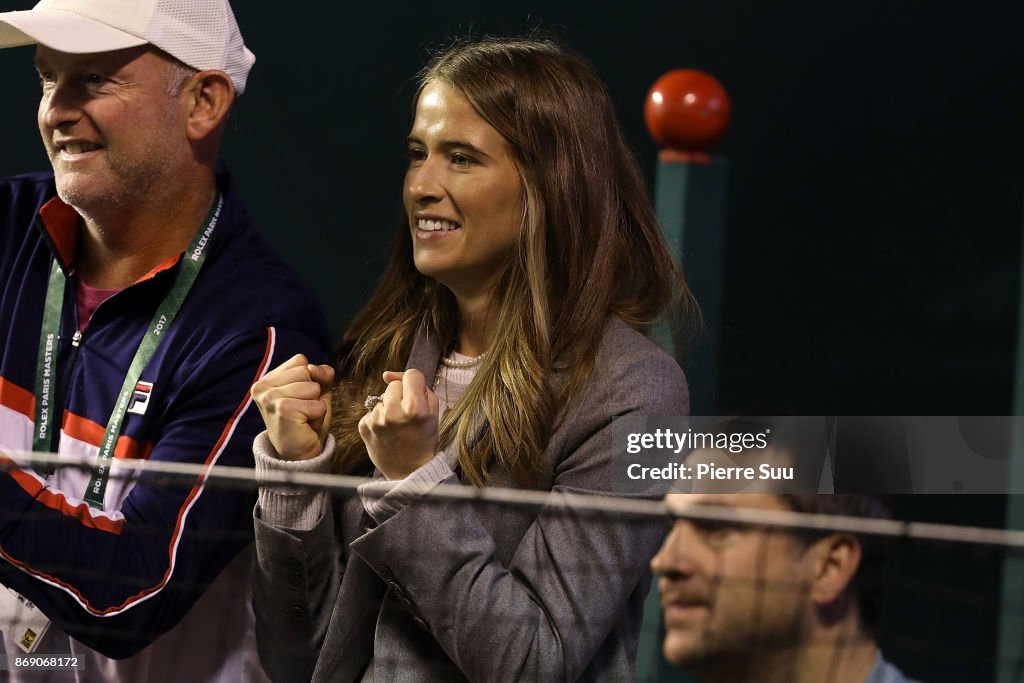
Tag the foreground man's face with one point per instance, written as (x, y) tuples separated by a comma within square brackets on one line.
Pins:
[(727, 590)]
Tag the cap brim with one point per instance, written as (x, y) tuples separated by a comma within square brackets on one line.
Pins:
[(62, 31)]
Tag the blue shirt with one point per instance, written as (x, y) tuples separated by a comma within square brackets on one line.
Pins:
[(884, 672)]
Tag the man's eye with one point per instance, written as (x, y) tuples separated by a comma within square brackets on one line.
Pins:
[(415, 154), (717, 532), (45, 77), (93, 79)]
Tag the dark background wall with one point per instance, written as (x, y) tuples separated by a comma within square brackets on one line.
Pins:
[(875, 194)]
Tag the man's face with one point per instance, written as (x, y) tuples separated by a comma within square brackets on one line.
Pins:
[(729, 592), (109, 126)]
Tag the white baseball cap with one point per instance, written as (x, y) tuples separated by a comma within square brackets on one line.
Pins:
[(201, 33)]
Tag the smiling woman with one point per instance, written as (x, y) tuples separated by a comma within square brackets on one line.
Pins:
[(525, 269), (461, 194)]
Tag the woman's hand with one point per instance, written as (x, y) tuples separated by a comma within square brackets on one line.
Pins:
[(400, 432), (295, 401)]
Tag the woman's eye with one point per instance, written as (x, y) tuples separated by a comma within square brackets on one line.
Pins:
[(461, 159), (415, 154)]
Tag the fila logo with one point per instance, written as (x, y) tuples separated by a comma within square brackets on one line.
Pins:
[(140, 398)]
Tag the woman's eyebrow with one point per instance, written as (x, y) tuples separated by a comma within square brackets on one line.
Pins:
[(448, 145)]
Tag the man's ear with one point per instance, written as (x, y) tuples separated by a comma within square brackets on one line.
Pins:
[(208, 99), (837, 557)]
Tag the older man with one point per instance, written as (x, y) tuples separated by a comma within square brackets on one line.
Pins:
[(744, 603), (138, 307)]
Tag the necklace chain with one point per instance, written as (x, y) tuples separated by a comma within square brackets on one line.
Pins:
[(437, 382), (452, 363)]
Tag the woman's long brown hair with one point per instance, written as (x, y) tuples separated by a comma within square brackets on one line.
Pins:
[(589, 248)]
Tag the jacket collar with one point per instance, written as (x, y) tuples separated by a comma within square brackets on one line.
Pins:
[(60, 225), (426, 357)]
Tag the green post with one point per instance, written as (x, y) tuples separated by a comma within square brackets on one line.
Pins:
[(686, 112), (690, 201)]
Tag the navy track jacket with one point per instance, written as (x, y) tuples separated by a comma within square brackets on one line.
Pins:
[(117, 577)]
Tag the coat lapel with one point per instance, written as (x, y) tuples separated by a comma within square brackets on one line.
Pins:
[(426, 353), (348, 643), (426, 357)]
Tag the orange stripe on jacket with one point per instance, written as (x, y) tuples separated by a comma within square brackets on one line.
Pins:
[(77, 427), (56, 501), (17, 399), (84, 429)]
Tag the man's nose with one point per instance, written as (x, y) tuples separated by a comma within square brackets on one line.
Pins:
[(678, 554), (60, 105)]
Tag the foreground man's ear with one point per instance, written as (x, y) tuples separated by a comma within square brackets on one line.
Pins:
[(837, 557)]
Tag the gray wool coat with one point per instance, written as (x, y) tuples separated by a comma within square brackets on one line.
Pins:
[(455, 591)]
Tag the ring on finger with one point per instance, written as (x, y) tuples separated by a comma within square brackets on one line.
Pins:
[(371, 402)]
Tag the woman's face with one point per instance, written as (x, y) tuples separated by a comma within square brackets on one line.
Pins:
[(462, 193)]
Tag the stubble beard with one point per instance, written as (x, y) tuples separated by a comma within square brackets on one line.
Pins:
[(740, 658), (123, 181), (127, 184)]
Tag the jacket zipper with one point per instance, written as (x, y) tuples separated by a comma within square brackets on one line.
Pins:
[(65, 386), (76, 341)]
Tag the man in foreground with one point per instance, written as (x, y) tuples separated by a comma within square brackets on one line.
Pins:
[(745, 603), (138, 307)]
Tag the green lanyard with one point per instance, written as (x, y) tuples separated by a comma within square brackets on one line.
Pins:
[(46, 422)]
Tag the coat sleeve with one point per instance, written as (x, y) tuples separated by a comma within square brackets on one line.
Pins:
[(573, 577), (298, 575), (118, 579)]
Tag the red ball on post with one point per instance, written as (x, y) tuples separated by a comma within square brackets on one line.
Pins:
[(687, 111)]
